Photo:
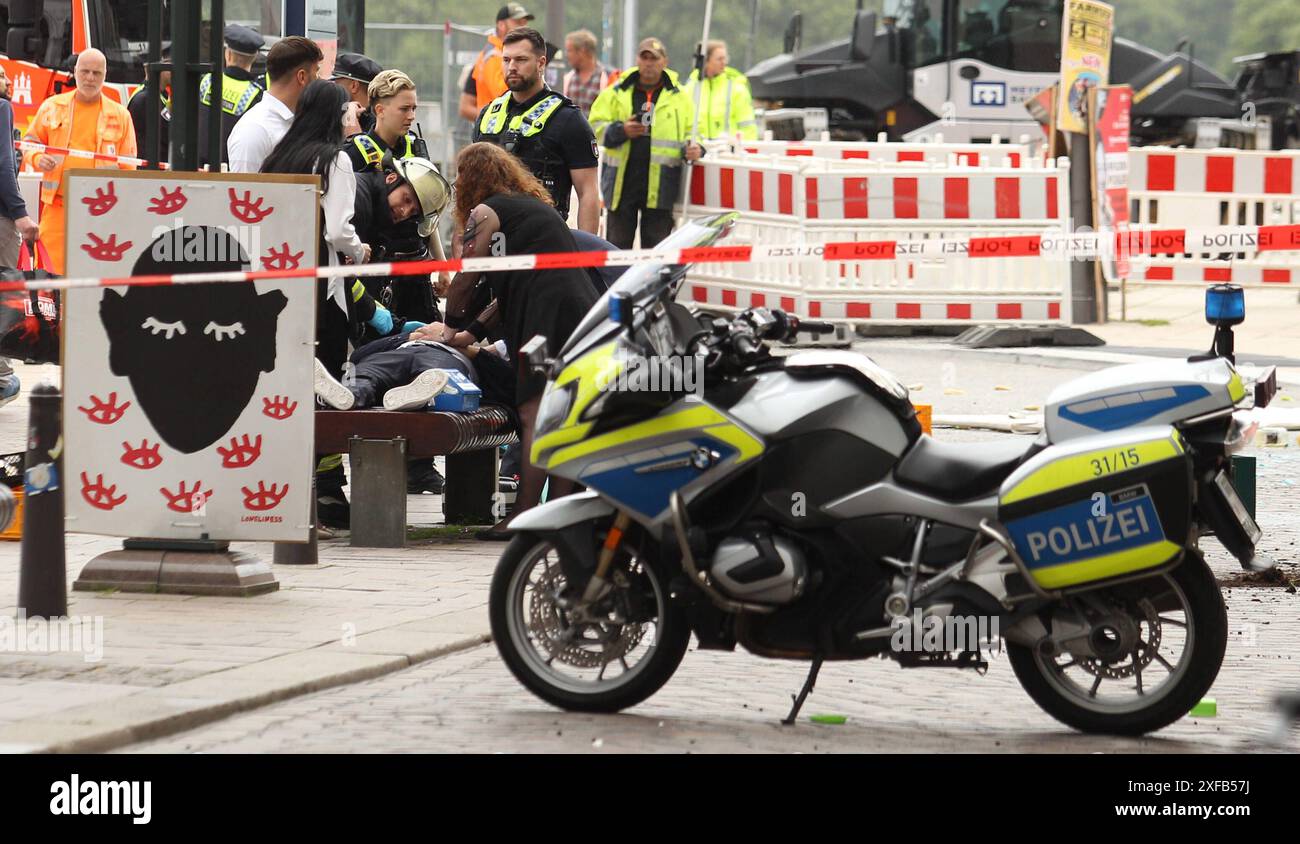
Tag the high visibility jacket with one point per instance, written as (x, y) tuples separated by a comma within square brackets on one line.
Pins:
[(669, 133), (372, 153), (237, 95), (521, 137), (52, 125), (489, 76), (726, 106)]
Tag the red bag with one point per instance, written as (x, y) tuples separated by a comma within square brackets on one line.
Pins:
[(29, 319)]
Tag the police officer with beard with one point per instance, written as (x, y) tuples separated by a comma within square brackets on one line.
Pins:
[(543, 129)]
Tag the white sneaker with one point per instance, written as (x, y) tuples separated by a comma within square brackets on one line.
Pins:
[(331, 391), (417, 394)]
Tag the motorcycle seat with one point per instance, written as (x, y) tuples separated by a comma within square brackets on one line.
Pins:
[(960, 471)]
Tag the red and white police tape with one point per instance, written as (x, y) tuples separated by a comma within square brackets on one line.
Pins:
[(1050, 246), (33, 146)]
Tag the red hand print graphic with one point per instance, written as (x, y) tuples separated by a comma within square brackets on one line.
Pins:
[(246, 210), (278, 407), (144, 456), (104, 412), (106, 250), (263, 498), (102, 202), (98, 495), (282, 260), (184, 501), (168, 203), (240, 454)]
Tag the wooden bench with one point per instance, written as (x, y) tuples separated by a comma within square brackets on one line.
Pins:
[(380, 442)]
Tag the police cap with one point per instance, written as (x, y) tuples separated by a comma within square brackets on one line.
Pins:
[(356, 66), (242, 39)]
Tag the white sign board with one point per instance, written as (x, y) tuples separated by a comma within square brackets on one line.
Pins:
[(188, 409)]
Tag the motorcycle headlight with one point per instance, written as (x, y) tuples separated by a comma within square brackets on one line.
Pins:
[(554, 408)]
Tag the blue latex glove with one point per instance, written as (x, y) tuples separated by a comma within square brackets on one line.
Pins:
[(413, 325), (382, 321)]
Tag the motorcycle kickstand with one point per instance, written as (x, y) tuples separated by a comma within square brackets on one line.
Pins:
[(804, 692)]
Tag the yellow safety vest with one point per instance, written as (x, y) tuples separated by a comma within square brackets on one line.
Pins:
[(236, 94), (669, 133), (726, 106), (373, 154)]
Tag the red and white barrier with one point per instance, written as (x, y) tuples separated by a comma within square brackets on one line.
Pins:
[(33, 146), (818, 190), (970, 155), (1214, 171), (1193, 188)]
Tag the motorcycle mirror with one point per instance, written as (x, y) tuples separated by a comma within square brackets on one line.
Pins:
[(534, 352)]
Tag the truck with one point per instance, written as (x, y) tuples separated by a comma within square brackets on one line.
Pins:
[(968, 69)]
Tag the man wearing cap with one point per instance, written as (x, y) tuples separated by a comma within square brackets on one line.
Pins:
[(543, 129), (139, 101), (355, 72), (644, 123), (239, 90), (487, 80)]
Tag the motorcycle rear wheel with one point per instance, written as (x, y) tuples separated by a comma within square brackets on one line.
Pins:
[(1188, 590), (565, 663)]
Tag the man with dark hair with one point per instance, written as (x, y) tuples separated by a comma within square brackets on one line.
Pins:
[(291, 64), (543, 129), (239, 90)]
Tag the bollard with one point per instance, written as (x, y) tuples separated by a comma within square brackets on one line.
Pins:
[(42, 577)]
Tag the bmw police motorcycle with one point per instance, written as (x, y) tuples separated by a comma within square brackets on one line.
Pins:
[(792, 505)]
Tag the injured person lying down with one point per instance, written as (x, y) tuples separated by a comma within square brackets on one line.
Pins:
[(402, 373)]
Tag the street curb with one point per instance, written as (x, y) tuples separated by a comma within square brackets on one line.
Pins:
[(147, 716)]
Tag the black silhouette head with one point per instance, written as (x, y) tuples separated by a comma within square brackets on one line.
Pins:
[(193, 352)]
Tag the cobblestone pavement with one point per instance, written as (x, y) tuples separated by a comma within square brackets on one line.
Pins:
[(732, 702), (468, 701)]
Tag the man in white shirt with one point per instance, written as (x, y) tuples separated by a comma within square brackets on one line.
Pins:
[(292, 64)]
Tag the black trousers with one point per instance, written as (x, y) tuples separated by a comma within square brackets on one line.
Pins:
[(378, 373), (621, 225)]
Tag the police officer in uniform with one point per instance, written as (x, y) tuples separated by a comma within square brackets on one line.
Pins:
[(139, 102), (543, 129), (355, 72), (240, 90)]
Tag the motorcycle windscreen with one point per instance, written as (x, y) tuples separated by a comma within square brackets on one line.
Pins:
[(1101, 507)]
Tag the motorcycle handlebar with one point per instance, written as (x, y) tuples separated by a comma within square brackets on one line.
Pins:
[(746, 345), (816, 327)]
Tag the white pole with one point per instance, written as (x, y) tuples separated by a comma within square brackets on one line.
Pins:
[(700, 59), (629, 34)]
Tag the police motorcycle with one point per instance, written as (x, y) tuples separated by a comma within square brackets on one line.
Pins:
[(794, 507)]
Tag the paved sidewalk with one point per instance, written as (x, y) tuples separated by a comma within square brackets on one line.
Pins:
[(173, 662)]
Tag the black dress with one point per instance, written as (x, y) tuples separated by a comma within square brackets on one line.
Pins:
[(546, 302)]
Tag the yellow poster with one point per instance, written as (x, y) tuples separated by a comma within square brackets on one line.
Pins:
[(1086, 35)]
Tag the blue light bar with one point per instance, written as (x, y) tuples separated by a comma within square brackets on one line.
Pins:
[(1225, 304)]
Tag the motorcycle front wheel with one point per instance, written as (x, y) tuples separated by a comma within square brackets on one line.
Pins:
[(1157, 645), (604, 657)]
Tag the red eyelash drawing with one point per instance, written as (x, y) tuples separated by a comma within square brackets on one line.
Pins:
[(278, 407), (240, 454), (263, 498), (106, 250), (98, 495), (104, 412), (144, 456), (102, 202), (246, 210), (168, 203), (187, 501), (282, 260)]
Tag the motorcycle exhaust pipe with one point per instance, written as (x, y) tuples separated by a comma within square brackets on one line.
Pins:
[(698, 577)]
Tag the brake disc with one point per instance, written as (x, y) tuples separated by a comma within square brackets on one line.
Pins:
[(582, 645), (1146, 654)]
